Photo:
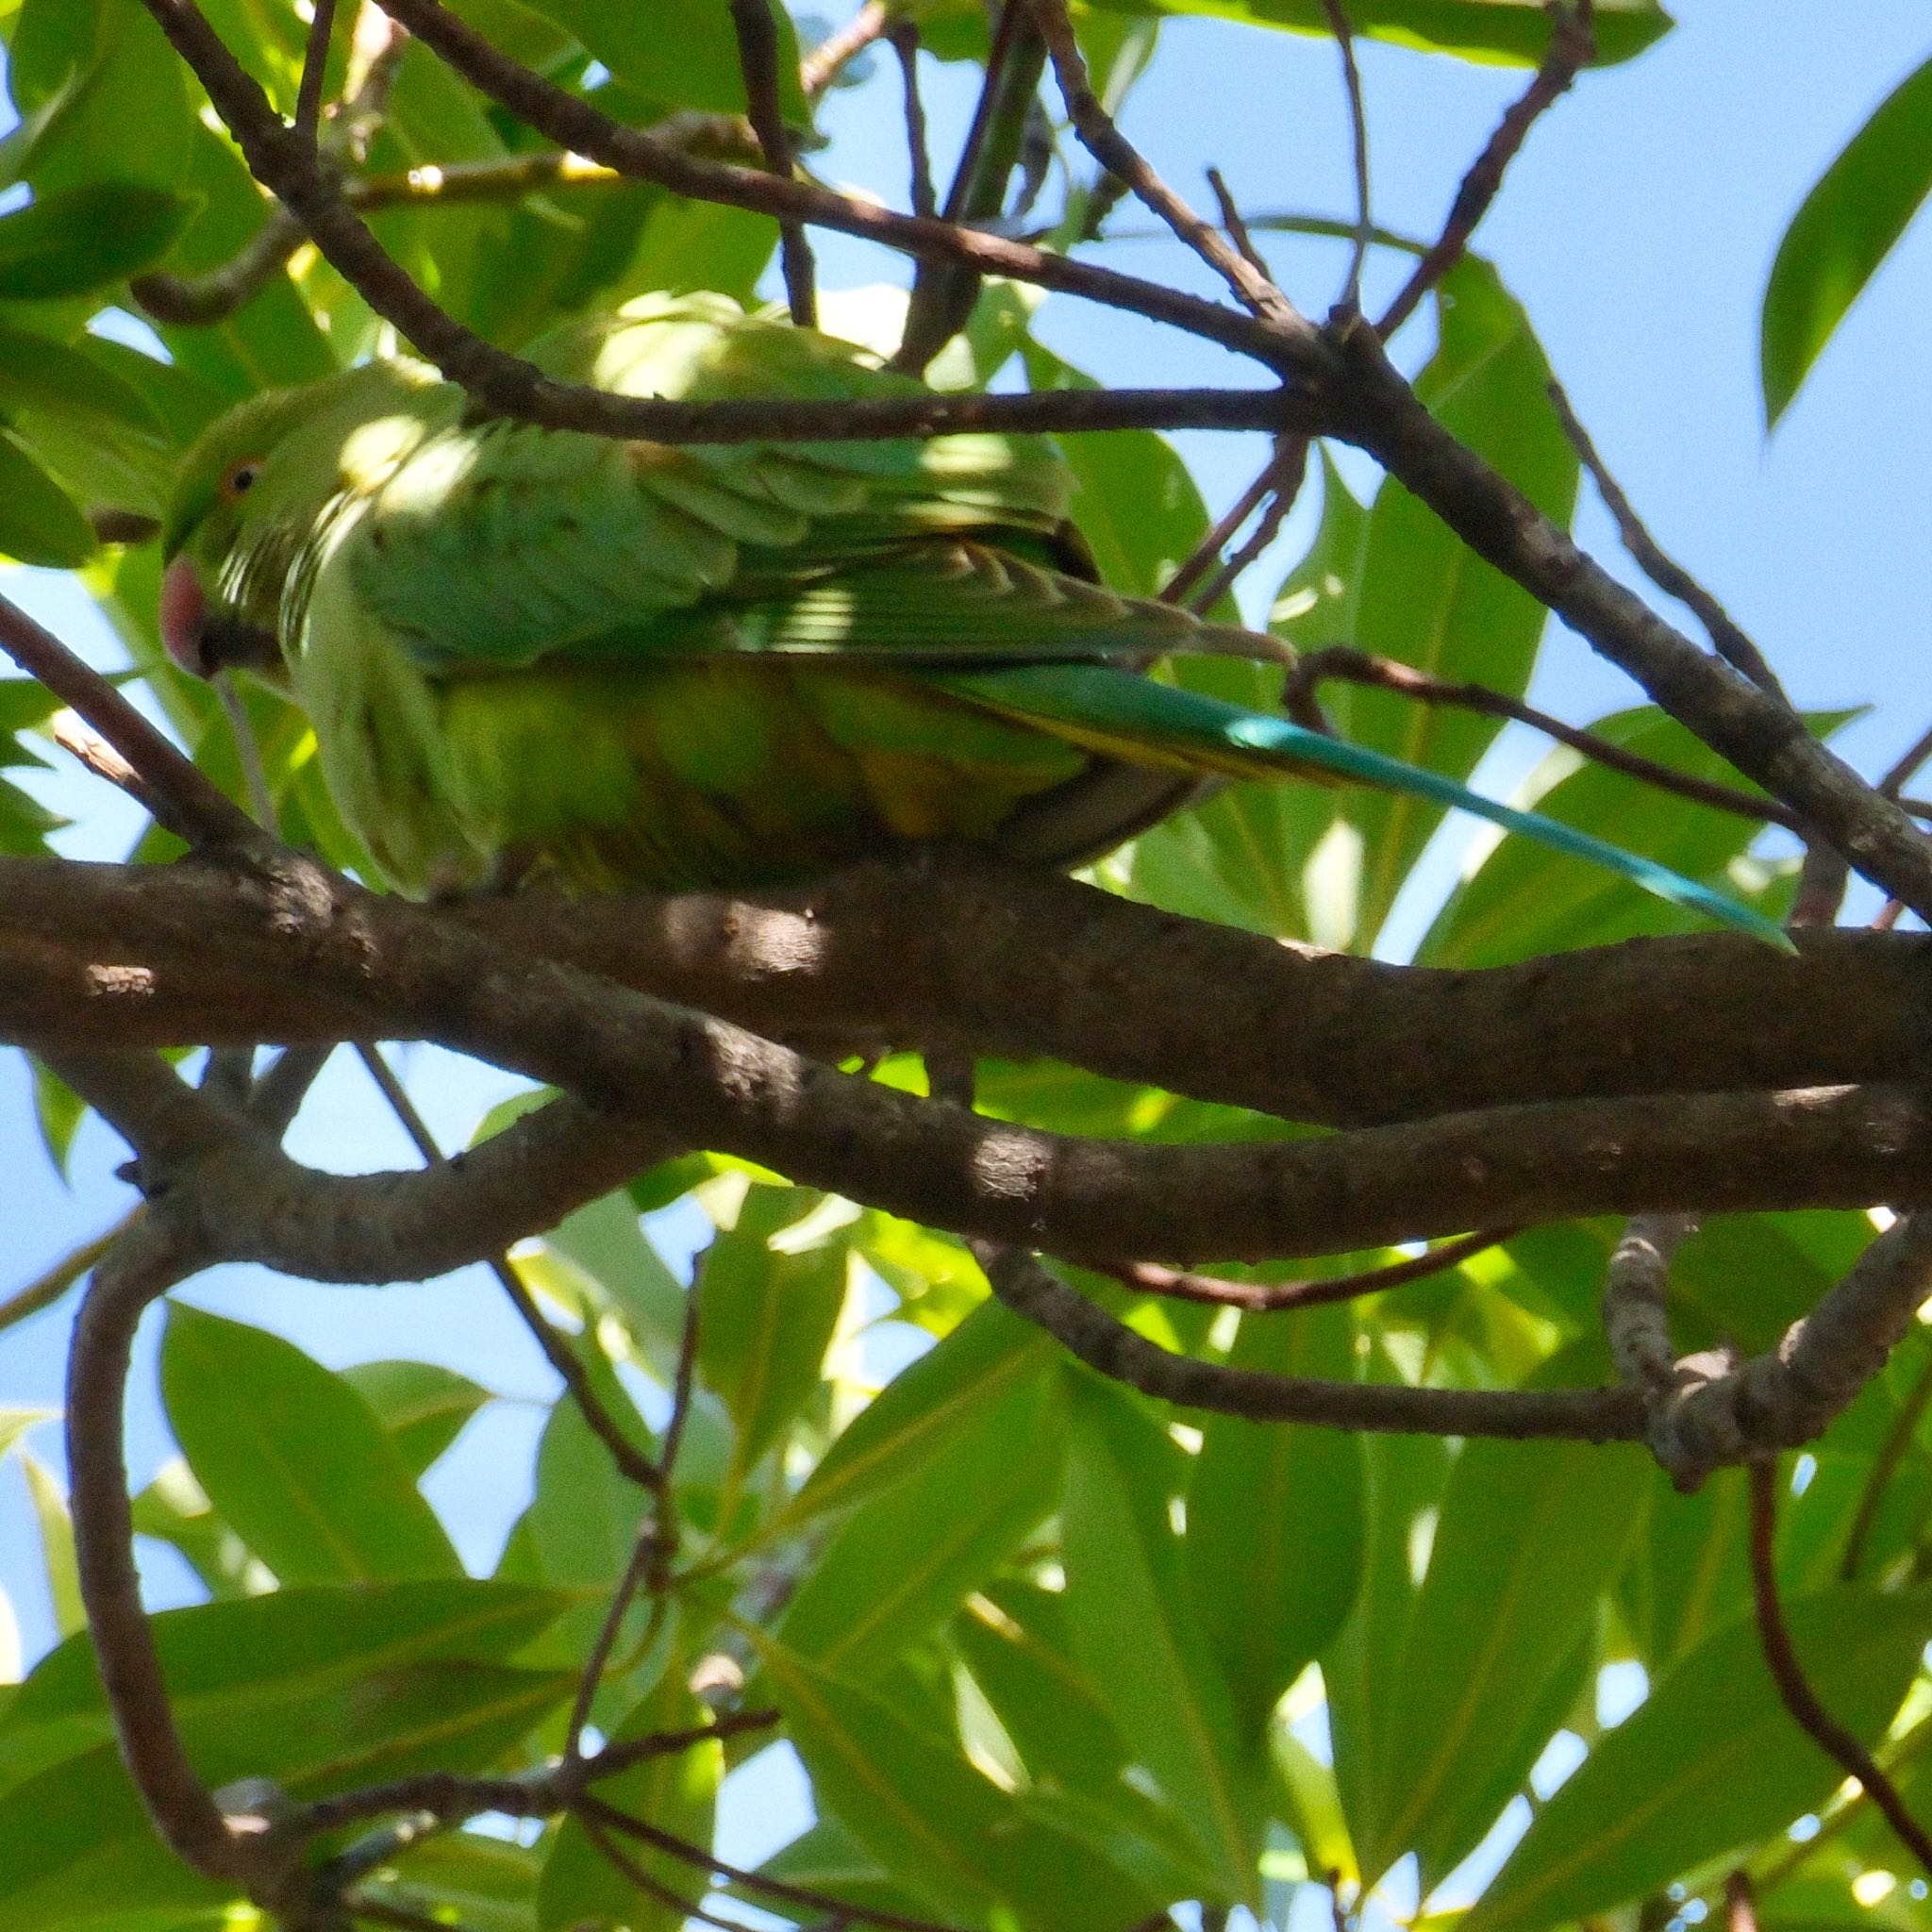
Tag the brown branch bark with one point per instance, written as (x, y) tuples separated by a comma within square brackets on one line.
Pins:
[(1794, 1688), (999, 962), (1573, 44)]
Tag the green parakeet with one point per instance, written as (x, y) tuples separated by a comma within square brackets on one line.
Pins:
[(535, 653)]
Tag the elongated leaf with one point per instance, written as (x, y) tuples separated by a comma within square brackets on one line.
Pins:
[(769, 1290), (486, 1884), (1526, 1546), (294, 1458), (1273, 1548), (56, 1545), (1711, 1762), (939, 1828), (1135, 1630), (37, 372), (224, 1661), (930, 1403), (39, 522), (1514, 30), (74, 241), (423, 1406), (901, 1564), (1844, 229), (681, 53)]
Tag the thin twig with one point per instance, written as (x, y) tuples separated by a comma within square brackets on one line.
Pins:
[(314, 67), (757, 30), (1572, 46), (1793, 1687), (682, 1909), (1207, 552), (1255, 1297), (631, 1461), (675, 1847), (904, 36), (1104, 140), (1908, 764), (656, 1550), (184, 799), (1726, 636), (1898, 1439), (1359, 149), (823, 65), (1289, 470), (1237, 227), (1345, 662)]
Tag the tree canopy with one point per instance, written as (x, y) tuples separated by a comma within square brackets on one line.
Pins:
[(1185, 1395)]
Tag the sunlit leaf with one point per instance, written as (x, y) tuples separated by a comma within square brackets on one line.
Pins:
[(1845, 228)]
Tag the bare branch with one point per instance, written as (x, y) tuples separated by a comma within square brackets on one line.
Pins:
[(1592, 1415), (1119, 155), (757, 30), (630, 1460), (1721, 1414), (314, 68), (1727, 638), (1794, 1688), (904, 36), (1636, 1318), (1288, 471), (1572, 46), (1359, 149), (1256, 1297), (181, 798)]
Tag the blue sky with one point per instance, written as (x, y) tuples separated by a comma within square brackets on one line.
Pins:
[(1637, 228)]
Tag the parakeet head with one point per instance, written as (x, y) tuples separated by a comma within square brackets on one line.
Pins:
[(255, 496)]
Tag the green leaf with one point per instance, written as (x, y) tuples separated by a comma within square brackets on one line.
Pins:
[(1712, 1762), (1527, 1544), (1133, 1629), (39, 522), (483, 1883), (423, 1406), (175, 1509), (1512, 30), (294, 1458), (680, 53), (37, 372), (1843, 230), (982, 1364), (56, 1545), (770, 1289), (676, 1792), (903, 1563), (1273, 1549), (83, 239), (940, 1830), (1405, 1477), (58, 1111)]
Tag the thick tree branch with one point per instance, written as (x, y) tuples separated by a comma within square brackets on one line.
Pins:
[(996, 961)]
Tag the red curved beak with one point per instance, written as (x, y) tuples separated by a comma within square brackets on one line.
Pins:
[(184, 616)]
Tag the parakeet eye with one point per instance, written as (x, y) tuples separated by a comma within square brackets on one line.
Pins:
[(240, 479)]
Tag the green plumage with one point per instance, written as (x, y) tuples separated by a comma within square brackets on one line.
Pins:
[(534, 653)]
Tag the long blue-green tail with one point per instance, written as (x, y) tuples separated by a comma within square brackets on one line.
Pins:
[(1133, 718)]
